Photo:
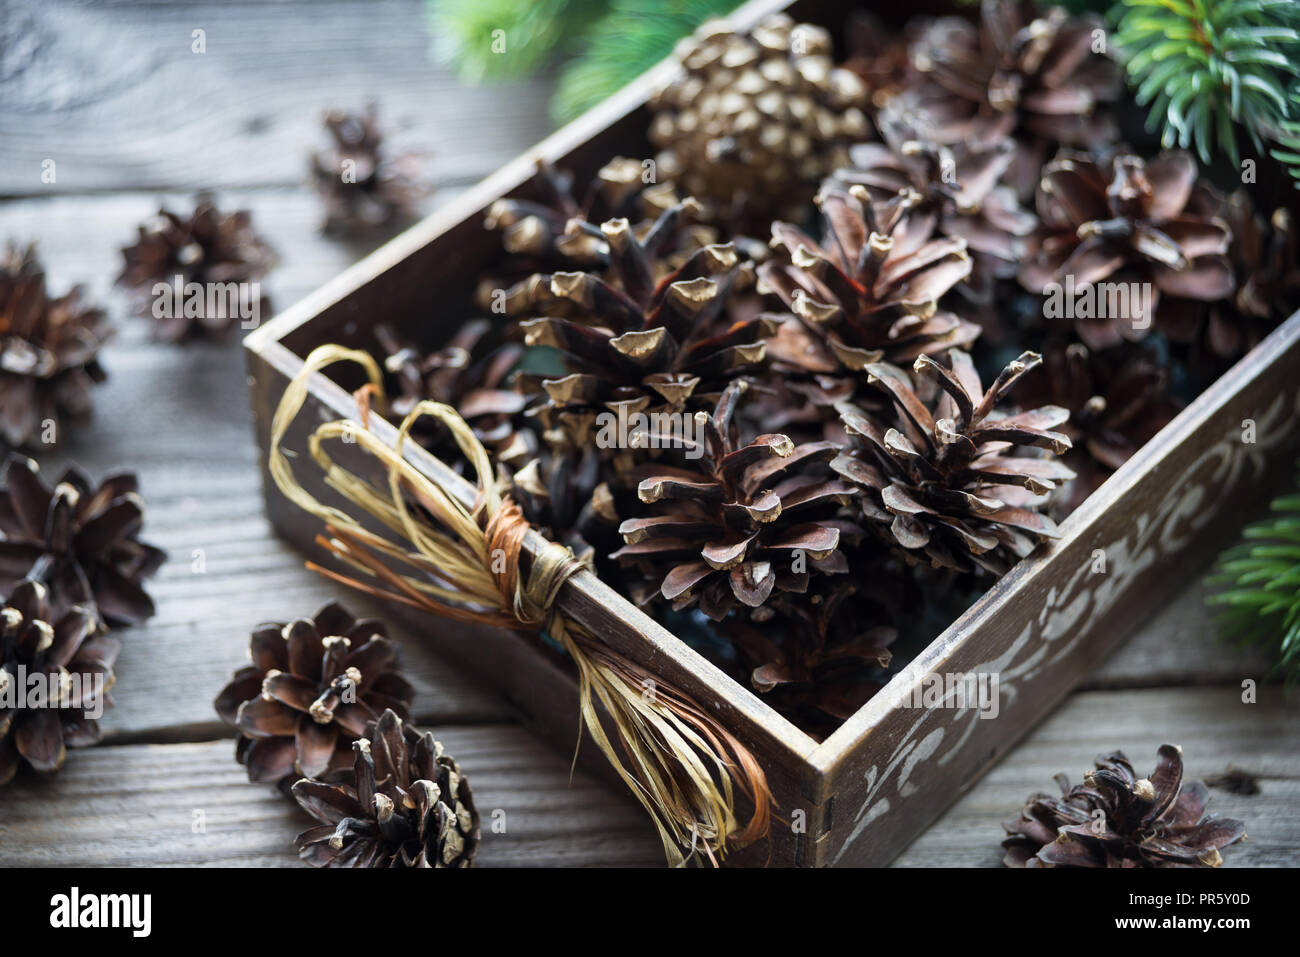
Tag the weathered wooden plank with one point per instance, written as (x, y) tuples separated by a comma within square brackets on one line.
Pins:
[(115, 95), (138, 805), (1215, 729)]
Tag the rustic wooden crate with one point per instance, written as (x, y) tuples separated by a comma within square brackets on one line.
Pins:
[(864, 793)]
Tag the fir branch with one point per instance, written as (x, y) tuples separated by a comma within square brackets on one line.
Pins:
[(1288, 138), (1203, 65), (535, 31), (1257, 587), (630, 39)]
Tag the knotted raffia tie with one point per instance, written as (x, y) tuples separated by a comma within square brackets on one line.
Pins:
[(466, 563)]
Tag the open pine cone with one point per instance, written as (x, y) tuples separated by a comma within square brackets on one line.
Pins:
[(361, 187), (870, 291), (49, 352), (1022, 72), (961, 188), (756, 119), (946, 481), (1114, 819), (209, 248), (742, 519), (313, 686), (78, 539), (1118, 400), (644, 346), (36, 641), (404, 804), (1127, 221)]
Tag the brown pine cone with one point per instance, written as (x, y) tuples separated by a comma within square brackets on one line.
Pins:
[(944, 480), (870, 292), (756, 119), (78, 539), (962, 191), (360, 186), (209, 249), (49, 352), (1114, 819), (1022, 72), (36, 641), (404, 804), (1128, 222), (313, 686), (1118, 400), (736, 522)]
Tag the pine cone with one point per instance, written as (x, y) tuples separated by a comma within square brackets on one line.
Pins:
[(468, 373), (643, 346), (36, 641), (79, 540), (756, 119), (1115, 820), (553, 231), (1128, 221), (961, 189), (1265, 259), (943, 480), (879, 57), (870, 292), (405, 804), (312, 687), (1021, 72), (208, 248), (820, 656), (1117, 399), (741, 520), (360, 186), (48, 352)]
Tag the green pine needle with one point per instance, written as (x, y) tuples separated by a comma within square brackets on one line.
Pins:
[(1256, 587), (1288, 138), (534, 32), (1203, 65)]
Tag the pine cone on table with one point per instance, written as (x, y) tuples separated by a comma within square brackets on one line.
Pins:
[(1115, 819), (79, 540), (36, 641), (756, 119), (208, 248), (360, 186), (404, 804), (740, 520), (945, 481), (49, 352), (1128, 221), (310, 691), (1022, 72)]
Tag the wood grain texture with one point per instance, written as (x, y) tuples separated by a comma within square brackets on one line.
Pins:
[(137, 805), (115, 96), (1212, 725)]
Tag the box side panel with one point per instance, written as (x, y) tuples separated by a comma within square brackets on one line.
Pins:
[(900, 762)]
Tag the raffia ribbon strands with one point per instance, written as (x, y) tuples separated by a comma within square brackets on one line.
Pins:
[(679, 762)]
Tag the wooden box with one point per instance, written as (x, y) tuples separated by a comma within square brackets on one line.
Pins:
[(860, 796)]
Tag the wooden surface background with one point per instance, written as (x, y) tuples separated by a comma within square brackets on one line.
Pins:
[(133, 119)]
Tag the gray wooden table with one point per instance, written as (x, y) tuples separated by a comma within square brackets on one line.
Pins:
[(113, 93)]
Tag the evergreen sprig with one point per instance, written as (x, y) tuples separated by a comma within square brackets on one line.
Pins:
[(1202, 65), (1256, 586), (1288, 138)]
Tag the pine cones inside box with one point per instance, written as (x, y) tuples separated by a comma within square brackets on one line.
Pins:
[(806, 358)]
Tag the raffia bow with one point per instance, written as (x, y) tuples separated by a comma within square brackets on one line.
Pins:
[(467, 564)]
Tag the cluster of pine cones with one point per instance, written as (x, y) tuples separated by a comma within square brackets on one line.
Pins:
[(782, 432)]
